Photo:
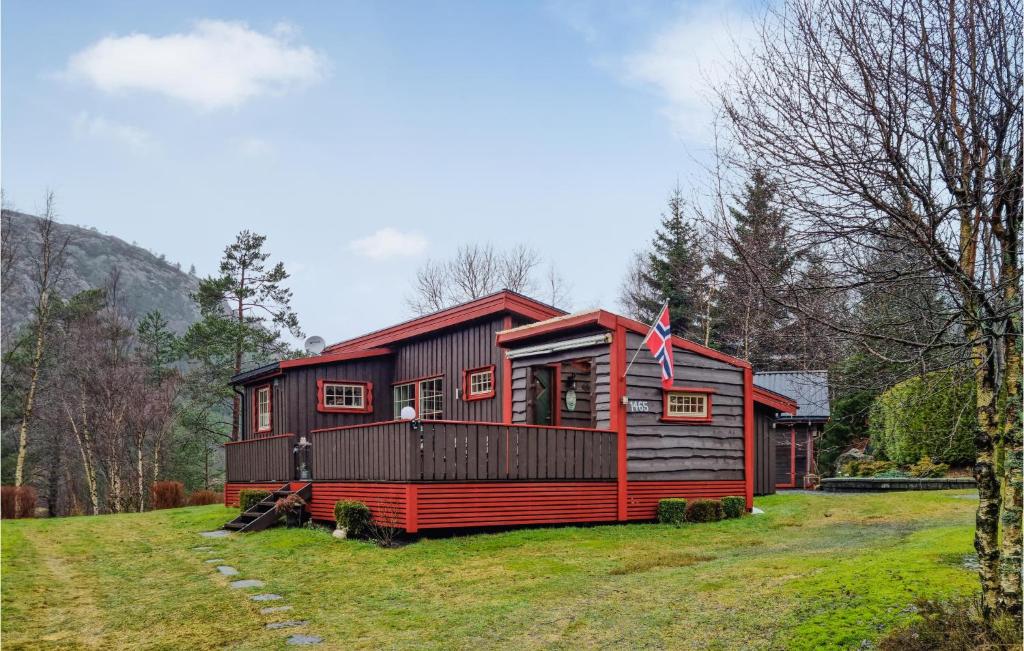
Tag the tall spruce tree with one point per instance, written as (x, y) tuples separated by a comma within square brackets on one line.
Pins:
[(674, 272), (244, 309), (755, 263)]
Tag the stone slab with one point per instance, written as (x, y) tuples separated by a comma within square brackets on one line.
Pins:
[(214, 560), (220, 533), (247, 583), (270, 610), (266, 597), (291, 623), (227, 570), (304, 640)]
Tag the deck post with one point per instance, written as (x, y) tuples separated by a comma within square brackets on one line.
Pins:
[(616, 366), (748, 434), (411, 508)]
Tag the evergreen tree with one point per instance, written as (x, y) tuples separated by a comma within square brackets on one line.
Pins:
[(757, 261), (243, 311), (674, 272)]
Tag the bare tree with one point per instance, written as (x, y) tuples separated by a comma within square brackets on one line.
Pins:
[(557, 291), (48, 272), (475, 271), (634, 292), (901, 124)]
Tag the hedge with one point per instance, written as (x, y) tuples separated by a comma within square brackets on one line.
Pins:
[(704, 511), (733, 506), (353, 516), (672, 510), (247, 497), (930, 416)]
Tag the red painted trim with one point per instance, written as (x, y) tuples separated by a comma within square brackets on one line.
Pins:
[(619, 419), (503, 301), (748, 434), (776, 401), (557, 324), (685, 419), (466, 395), (645, 495), (262, 438), (331, 358), (506, 382), (367, 398), (465, 422), (256, 429)]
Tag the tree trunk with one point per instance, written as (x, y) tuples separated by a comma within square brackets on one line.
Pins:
[(141, 472), (30, 396), (1010, 548), (986, 531), (85, 449)]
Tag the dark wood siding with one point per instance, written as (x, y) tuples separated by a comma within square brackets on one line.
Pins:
[(262, 459), (764, 451), (684, 451), (295, 395), (597, 396), (449, 353)]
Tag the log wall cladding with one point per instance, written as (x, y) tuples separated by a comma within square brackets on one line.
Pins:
[(659, 450)]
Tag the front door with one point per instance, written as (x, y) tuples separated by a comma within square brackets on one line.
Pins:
[(543, 395)]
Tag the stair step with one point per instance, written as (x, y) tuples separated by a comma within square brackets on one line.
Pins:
[(235, 525)]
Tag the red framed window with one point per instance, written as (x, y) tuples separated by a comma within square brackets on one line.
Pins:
[(478, 383), (344, 397), (687, 405), (262, 409)]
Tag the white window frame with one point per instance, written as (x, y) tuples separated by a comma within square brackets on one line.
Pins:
[(423, 396), (486, 372), (683, 396), (339, 391), (398, 403), (264, 409)]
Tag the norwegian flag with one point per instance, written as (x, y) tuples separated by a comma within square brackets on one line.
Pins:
[(659, 342)]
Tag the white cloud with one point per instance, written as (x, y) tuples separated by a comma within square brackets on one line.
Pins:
[(95, 126), (685, 61), (389, 243), (217, 65)]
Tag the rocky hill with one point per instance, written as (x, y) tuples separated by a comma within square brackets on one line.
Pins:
[(147, 281)]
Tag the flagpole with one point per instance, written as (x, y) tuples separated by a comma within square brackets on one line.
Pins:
[(646, 337)]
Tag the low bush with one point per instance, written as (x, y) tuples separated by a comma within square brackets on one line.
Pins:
[(672, 510), (203, 497), (355, 517), (734, 506), (704, 511), (17, 502), (951, 626), (891, 474), (925, 468), (166, 495), (247, 497), (858, 468)]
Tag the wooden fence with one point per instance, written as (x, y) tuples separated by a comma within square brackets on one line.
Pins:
[(461, 451), (263, 459)]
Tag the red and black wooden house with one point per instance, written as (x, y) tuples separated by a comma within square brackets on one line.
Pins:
[(524, 416)]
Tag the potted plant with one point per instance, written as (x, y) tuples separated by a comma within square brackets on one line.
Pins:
[(293, 508)]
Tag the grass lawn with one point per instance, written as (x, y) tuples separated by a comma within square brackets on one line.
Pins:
[(815, 571)]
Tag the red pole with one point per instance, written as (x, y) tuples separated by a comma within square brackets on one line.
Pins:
[(618, 418), (412, 524)]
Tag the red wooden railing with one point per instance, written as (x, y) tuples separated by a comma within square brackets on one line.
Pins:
[(446, 450)]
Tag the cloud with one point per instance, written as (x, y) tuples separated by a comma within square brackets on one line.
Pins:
[(216, 65), (389, 243), (95, 126), (686, 60)]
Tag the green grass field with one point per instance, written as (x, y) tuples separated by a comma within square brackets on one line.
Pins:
[(813, 572)]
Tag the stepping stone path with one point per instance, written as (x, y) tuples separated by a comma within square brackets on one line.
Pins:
[(303, 640), (219, 533), (291, 623), (247, 583), (227, 570), (265, 597), (214, 560), (270, 610)]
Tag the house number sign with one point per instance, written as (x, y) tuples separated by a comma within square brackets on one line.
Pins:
[(570, 400), (639, 406)]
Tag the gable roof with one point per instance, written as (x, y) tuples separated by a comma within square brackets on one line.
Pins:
[(808, 388), (492, 304)]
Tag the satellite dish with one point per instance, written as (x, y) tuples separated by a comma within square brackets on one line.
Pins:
[(315, 345), (408, 413)]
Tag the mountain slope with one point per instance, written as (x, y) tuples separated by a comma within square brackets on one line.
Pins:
[(147, 282)]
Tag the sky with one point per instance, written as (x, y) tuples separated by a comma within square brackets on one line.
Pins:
[(364, 138)]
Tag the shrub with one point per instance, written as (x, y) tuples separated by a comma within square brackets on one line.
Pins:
[(932, 415), (704, 511), (166, 495), (863, 468), (247, 497), (203, 497), (891, 474), (926, 468), (289, 504), (17, 502), (951, 626), (353, 516), (672, 510), (734, 506)]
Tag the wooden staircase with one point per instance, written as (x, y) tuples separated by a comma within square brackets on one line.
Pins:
[(262, 515)]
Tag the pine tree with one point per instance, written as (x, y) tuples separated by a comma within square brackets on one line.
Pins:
[(755, 264), (674, 272), (243, 311)]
